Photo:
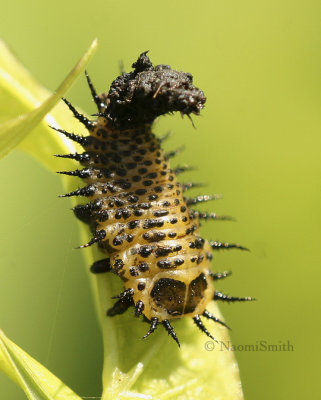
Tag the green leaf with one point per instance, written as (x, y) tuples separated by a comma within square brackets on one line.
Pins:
[(33, 378), (12, 132)]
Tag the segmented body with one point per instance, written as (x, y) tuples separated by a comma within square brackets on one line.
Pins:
[(136, 208)]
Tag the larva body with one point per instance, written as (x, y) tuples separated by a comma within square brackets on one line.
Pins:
[(136, 208)]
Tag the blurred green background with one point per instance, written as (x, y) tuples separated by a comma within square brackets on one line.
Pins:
[(257, 142)]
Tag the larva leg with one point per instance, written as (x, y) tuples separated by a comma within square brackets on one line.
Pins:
[(101, 266), (153, 326), (139, 308), (126, 294), (225, 297), (120, 306)]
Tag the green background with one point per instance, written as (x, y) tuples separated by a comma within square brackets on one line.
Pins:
[(257, 142)]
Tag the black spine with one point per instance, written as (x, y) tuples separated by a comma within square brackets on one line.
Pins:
[(220, 245), (170, 331), (211, 216), (201, 326), (224, 297), (94, 93), (220, 275), (85, 121), (202, 199), (190, 185), (86, 191), (98, 236), (209, 315), (173, 153), (80, 173), (82, 140), (183, 168), (81, 157)]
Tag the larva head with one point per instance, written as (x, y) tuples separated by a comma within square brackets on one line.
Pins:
[(140, 96)]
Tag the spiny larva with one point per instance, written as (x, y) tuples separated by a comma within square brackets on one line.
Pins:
[(137, 210)]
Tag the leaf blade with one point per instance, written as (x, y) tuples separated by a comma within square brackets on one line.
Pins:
[(15, 130), (34, 379)]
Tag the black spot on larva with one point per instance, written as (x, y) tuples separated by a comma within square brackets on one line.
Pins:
[(136, 178), (173, 220), (119, 203), (172, 234), (129, 238), (179, 261), (126, 213), (160, 213), (158, 189), (163, 251), (146, 236), (118, 264), (143, 267), (133, 271), (145, 251), (148, 182), (133, 224), (131, 165), (140, 192), (118, 214), (164, 264), (153, 197), (195, 293), (141, 286), (123, 184), (169, 294), (138, 213), (132, 199), (145, 206), (200, 258), (199, 243), (118, 240), (142, 170), (152, 223)]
